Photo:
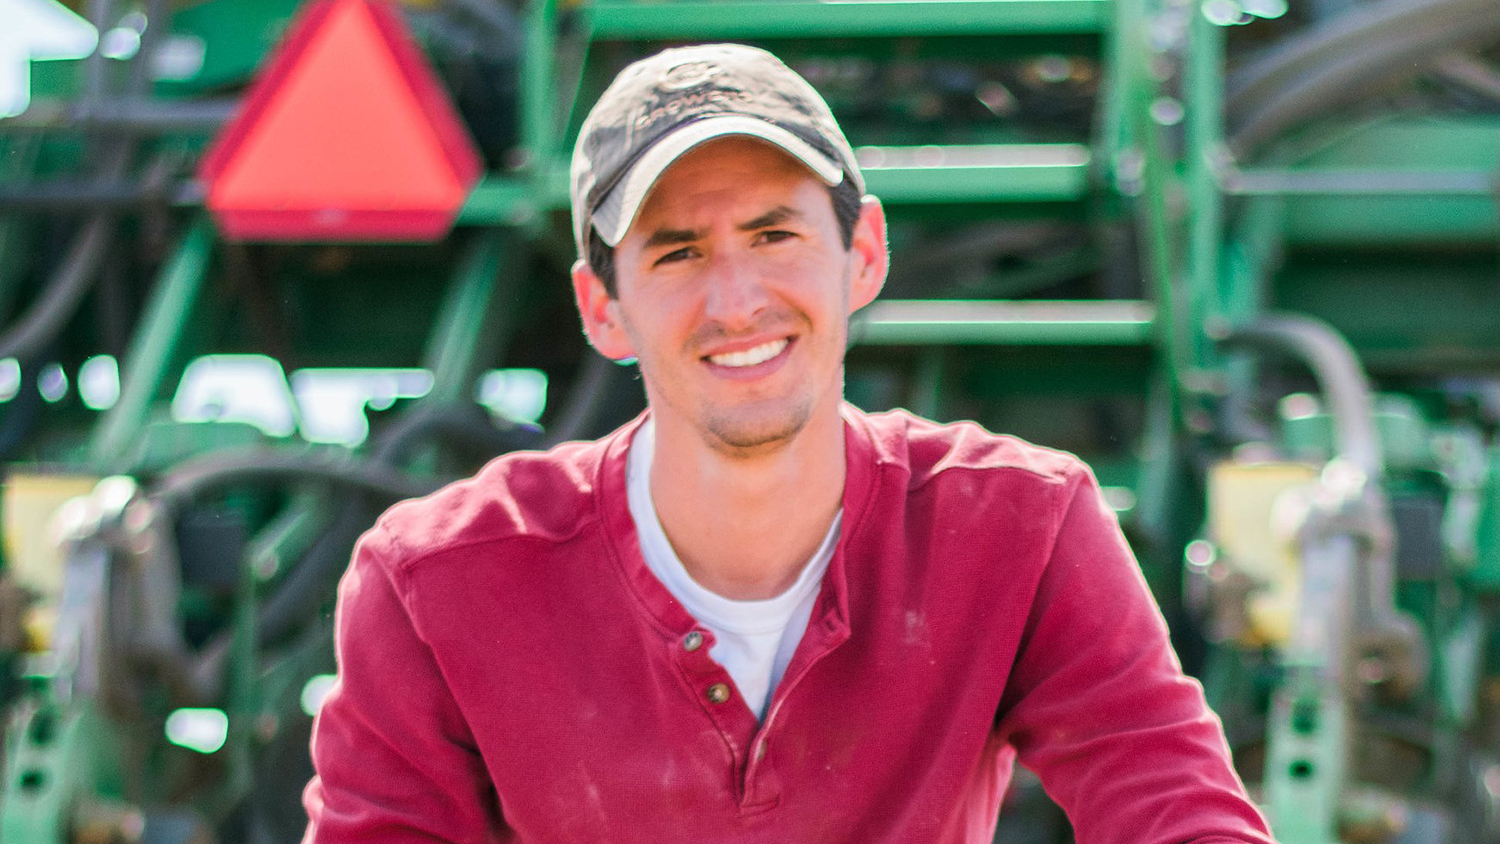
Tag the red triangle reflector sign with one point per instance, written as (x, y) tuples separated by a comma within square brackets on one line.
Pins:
[(346, 135)]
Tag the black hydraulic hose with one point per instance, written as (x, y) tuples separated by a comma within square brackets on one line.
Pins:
[(28, 336), (185, 674), (307, 586), (60, 298), (583, 405), (309, 583), (1472, 74), (197, 478), (1339, 374), (1357, 29), (463, 424), (1322, 68)]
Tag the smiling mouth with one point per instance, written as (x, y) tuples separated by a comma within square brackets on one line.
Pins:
[(751, 356)]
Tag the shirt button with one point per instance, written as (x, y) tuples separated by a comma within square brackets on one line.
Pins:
[(692, 642), (718, 693)]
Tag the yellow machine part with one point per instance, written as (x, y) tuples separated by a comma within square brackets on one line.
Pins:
[(33, 557), (1247, 514)]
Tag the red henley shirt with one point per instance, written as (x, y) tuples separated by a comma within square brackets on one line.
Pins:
[(510, 671)]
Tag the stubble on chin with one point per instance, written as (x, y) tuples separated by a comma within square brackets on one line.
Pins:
[(747, 434)]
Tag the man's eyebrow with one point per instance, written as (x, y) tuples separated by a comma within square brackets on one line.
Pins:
[(672, 237), (776, 216)]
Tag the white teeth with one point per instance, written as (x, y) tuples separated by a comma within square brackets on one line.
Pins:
[(750, 357)]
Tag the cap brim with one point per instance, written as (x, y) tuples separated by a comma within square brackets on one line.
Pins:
[(618, 208)]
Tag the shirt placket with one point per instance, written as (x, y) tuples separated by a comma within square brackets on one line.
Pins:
[(713, 688), (758, 788)]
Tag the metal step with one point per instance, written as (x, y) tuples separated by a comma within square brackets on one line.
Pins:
[(978, 173), (1118, 322), (783, 19), (898, 175)]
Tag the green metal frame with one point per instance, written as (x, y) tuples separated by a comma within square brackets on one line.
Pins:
[(1032, 322), (1212, 236), (55, 757), (844, 19), (154, 351)]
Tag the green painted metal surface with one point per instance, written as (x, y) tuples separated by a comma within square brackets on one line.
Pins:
[(475, 319), (994, 173), (154, 352), (1429, 182), (501, 200), (234, 36), (56, 757), (997, 173), (1486, 572), (1306, 768), (849, 18), (1068, 150), (886, 322)]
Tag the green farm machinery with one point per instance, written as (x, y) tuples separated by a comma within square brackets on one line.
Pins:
[(268, 266)]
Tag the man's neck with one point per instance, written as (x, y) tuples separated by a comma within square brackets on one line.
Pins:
[(744, 525)]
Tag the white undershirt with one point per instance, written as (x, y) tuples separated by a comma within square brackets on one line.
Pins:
[(754, 639)]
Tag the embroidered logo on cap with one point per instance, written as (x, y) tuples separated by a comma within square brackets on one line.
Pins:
[(688, 75), (691, 102)]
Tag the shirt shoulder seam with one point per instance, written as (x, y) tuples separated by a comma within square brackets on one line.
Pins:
[(407, 563), (1058, 477)]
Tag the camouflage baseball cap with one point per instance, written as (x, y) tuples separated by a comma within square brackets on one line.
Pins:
[(662, 106)]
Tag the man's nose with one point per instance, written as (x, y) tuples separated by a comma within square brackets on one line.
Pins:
[(735, 291)]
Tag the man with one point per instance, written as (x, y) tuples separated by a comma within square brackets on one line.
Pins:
[(755, 614)]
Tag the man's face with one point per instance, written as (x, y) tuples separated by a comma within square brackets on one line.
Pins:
[(733, 290)]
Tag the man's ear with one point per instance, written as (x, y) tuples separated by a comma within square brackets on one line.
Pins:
[(600, 313), (870, 252)]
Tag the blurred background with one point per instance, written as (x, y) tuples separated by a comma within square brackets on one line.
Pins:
[(267, 266)]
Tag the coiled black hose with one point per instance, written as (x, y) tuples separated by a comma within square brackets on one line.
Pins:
[(307, 586), (197, 478), (1367, 48), (310, 583), (35, 330)]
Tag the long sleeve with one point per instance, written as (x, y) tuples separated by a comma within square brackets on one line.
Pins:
[(394, 756), (1097, 704)]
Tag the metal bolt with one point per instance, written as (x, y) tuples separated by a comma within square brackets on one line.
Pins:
[(1372, 670), (266, 726), (1167, 111), (1053, 69), (1200, 553)]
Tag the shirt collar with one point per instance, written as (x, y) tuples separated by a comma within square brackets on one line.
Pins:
[(612, 500)]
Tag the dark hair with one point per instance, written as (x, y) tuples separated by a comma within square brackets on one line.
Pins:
[(846, 201)]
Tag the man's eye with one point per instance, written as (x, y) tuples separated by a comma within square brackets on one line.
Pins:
[(776, 236), (675, 255)]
